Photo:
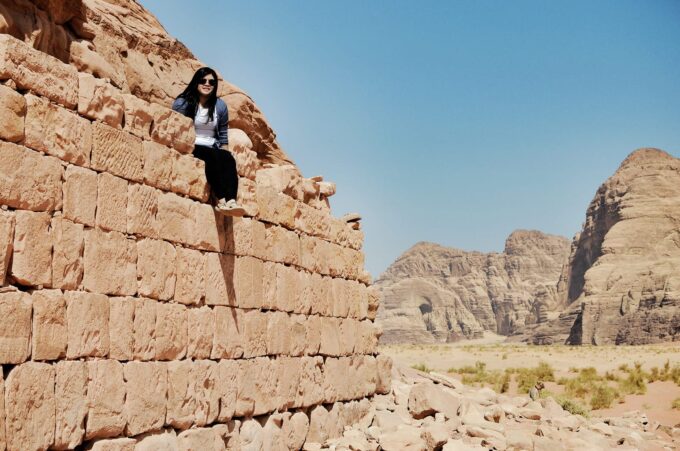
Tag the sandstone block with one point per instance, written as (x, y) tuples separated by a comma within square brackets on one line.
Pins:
[(87, 316), (138, 116), (6, 242), (311, 391), (29, 180), (349, 331), (312, 221), (254, 333), (116, 152), (288, 288), (365, 369), (206, 393), (15, 327), (144, 329), (112, 197), (289, 373), (49, 325), (310, 286), (110, 263), (314, 324), (180, 401), (294, 430), (57, 131), (158, 165), (426, 398), (67, 255), (281, 179), (277, 333), (256, 395), (188, 177), (12, 114), (106, 399), (3, 437), (37, 71), (121, 328), (32, 258), (142, 208), (318, 420), (275, 207), (330, 337), (201, 324), (208, 228), (227, 388), (336, 379), (190, 287), (245, 236), (240, 146), (367, 338), (201, 438), (229, 333), (146, 390), (247, 196), (298, 335), (314, 255), (176, 218), (116, 444), (70, 391), (171, 331), (173, 129), (156, 262), (30, 407), (248, 282), (80, 195), (282, 246), (99, 101), (219, 279)]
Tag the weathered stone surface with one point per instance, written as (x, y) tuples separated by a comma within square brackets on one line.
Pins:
[(426, 399), (208, 228), (70, 391), (106, 399), (257, 395), (87, 319), (146, 389), (437, 294), (41, 73), (248, 282), (283, 246), (241, 146), (142, 207), (294, 430), (229, 333), (180, 402), (173, 129), (219, 279), (29, 180), (116, 444), (159, 164), (112, 198), (188, 177), (58, 132), (138, 118), (254, 333), (171, 331), (98, 100), (121, 328), (156, 262), (275, 207), (49, 325), (245, 236), (15, 327), (144, 329), (110, 263), (201, 325), (30, 407), (67, 254), (12, 114), (116, 152), (80, 195), (227, 374), (200, 438), (6, 243), (190, 286), (175, 218), (32, 258), (247, 196)]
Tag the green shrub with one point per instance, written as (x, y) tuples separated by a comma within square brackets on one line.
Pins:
[(634, 384), (603, 397)]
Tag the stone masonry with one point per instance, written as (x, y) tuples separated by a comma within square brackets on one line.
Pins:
[(134, 317)]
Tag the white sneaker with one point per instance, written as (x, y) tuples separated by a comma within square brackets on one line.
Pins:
[(230, 208)]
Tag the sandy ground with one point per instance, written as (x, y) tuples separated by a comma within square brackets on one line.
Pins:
[(499, 356)]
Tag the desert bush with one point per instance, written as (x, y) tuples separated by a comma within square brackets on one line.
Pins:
[(676, 404), (568, 404), (503, 383), (635, 383), (527, 377), (603, 396)]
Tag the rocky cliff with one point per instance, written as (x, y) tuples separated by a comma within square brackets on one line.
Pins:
[(132, 317), (622, 283), (433, 293)]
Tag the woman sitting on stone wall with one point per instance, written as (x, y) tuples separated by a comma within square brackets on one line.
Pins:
[(199, 101)]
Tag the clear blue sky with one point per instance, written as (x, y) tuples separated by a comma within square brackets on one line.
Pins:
[(454, 122)]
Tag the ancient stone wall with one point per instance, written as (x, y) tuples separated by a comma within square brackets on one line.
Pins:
[(134, 317)]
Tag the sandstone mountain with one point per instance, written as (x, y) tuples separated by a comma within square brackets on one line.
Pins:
[(622, 282), (432, 293)]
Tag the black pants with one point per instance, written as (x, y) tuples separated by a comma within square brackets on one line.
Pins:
[(220, 170)]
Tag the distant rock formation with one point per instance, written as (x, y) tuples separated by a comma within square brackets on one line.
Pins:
[(622, 283), (432, 293)]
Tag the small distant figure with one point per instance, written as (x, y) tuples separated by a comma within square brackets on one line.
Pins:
[(535, 391)]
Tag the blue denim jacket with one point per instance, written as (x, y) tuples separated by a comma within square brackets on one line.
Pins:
[(181, 106)]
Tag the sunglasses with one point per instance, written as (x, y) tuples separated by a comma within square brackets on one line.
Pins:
[(208, 81)]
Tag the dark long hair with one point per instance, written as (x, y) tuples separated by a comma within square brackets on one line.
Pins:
[(191, 95)]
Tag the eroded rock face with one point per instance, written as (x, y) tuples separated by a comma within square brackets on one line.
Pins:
[(623, 277), (437, 294)]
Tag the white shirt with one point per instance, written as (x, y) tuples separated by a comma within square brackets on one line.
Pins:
[(205, 129)]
